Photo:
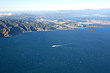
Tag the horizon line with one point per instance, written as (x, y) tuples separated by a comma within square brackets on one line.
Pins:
[(54, 10)]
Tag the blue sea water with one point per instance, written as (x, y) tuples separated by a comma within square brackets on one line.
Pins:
[(86, 51)]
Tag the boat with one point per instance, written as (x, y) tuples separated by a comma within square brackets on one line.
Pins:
[(54, 45)]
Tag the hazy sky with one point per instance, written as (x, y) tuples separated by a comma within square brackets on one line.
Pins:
[(12, 5)]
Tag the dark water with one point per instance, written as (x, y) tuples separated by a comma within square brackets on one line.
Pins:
[(86, 51)]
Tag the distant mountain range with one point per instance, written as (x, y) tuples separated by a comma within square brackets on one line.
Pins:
[(87, 11), (83, 11)]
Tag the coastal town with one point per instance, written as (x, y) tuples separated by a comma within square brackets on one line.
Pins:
[(11, 25)]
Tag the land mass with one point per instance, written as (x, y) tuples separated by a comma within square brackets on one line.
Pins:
[(11, 25)]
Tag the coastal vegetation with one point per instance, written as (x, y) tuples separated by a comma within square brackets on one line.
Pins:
[(16, 24)]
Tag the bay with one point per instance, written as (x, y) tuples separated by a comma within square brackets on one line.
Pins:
[(80, 51)]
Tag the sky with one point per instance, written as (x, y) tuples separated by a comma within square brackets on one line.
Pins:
[(32, 5)]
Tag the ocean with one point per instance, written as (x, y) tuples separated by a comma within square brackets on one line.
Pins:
[(80, 51)]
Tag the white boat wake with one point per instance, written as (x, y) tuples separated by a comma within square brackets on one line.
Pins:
[(60, 45), (56, 45)]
